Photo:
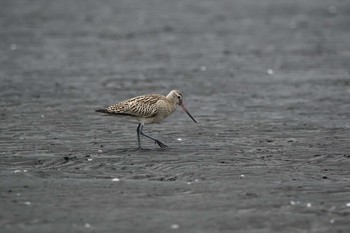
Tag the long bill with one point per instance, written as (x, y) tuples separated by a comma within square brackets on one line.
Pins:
[(188, 113)]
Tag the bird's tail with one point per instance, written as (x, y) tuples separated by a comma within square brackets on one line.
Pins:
[(101, 110)]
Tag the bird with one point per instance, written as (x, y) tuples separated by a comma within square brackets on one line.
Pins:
[(147, 109)]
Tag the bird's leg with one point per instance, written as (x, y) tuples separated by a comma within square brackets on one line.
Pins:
[(138, 137), (140, 130)]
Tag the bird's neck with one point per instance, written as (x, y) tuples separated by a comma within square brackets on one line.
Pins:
[(172, 104)]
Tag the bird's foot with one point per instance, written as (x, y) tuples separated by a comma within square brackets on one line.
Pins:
[(141, 149), (160, 144)]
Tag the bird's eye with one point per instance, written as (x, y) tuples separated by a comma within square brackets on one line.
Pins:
[(179, 97)]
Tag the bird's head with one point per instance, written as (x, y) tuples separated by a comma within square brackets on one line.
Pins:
[(176, 97)]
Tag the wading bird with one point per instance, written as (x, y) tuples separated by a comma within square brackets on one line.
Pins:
[(147, 109)]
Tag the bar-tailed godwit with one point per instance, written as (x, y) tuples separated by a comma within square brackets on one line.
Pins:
[(147, 109)]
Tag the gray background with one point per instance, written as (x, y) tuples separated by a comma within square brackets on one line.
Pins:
[(268, 82)]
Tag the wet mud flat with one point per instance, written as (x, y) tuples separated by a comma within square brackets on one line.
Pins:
[(267, 81)]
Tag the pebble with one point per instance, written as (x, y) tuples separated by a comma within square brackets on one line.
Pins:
[(295, 202), (16, 171), (175, 226), (270, 71)]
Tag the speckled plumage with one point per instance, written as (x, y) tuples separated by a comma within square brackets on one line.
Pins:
[(147, 109), (152, 108)]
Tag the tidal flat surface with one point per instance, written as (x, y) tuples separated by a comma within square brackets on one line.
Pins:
[(268, 82)]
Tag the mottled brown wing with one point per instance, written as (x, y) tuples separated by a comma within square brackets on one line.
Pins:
[(140, 106)]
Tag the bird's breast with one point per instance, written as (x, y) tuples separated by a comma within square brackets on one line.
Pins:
[(164, 109)]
